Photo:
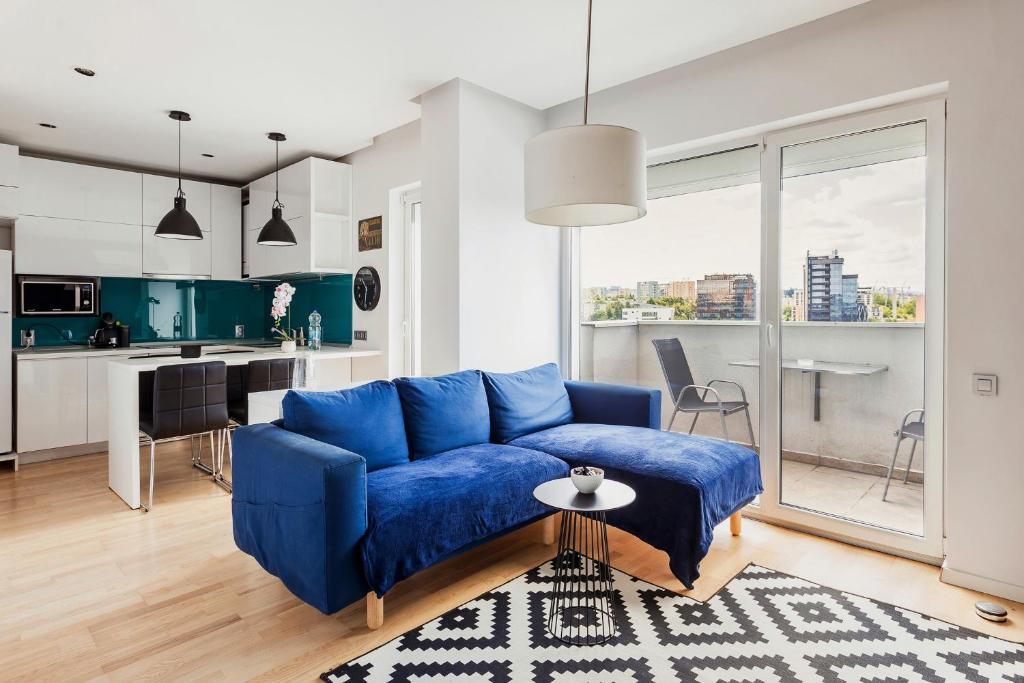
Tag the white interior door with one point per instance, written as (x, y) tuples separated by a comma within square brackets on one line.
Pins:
[(411, 318), (853, 261)]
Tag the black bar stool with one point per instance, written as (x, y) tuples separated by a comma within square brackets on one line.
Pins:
[(183, 400), (242, 380)]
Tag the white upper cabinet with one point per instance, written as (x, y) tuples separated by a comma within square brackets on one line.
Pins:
[(61, 246), (226, 221), (158, 194), (9, 166), (316, 194), (187, 258), (9, 182), (57, 189)]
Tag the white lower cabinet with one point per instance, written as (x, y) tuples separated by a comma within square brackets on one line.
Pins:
[(61, 246), (97, 403), (53, 403), (164, 256)]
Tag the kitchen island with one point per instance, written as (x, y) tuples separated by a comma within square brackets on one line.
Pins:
[(123, 397)]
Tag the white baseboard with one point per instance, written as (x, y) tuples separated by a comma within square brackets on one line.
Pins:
[(982, 584)]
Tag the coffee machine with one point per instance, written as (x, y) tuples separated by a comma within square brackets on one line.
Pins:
[(111, 334)]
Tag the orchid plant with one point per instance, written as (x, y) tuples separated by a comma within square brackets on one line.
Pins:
[(280, 308)]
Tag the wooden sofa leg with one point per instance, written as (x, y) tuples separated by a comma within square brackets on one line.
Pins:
[(374, 611), (735, 524), (548, 530)]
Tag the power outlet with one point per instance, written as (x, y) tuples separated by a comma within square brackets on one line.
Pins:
[(239, 331), (359, 335), (28, 338)]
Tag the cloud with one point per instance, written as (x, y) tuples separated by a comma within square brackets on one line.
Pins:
[(874, 216)]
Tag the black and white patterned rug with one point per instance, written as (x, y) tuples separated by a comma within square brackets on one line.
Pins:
[(762, 626)]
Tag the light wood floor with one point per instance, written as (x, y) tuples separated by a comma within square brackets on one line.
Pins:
[(90, 590)]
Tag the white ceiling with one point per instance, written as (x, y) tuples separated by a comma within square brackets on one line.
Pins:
[(330, 74)]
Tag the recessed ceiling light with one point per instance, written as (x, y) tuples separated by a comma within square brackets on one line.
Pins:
[(208, 156), (85, 72), (47, 125)]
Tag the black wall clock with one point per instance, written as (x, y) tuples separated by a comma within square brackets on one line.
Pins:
[(366, 288)]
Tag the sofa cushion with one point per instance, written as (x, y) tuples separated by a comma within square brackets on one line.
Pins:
[(424, 511), (685, 485), (366, 420), (527, 401), (444, 413)]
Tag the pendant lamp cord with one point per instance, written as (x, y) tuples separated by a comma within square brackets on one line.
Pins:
[(586, 79), (180, 192), (277, 173)]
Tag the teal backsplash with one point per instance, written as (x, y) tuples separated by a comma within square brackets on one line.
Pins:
[(331, 296), (208, 309)]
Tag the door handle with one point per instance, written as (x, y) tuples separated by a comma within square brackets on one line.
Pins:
[(769, 333)]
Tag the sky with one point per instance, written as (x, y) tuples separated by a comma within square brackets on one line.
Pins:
[(874, 216)]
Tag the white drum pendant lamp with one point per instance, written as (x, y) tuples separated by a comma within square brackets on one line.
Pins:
[(586, 175)]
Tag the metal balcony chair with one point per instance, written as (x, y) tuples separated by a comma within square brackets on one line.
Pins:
[(689, 397), (184, 400), (907, 430)]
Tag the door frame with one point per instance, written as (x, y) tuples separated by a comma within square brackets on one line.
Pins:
[(411, 325), (930, 546)]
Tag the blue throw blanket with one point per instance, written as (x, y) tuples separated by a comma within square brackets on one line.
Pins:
[(685, 485), (429, 509)]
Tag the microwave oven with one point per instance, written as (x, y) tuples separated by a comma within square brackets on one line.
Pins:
[(57, 295)]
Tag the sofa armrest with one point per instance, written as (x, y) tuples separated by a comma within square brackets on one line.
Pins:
[(615, 404), (299, 507)]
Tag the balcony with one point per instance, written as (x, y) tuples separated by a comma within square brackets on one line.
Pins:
[(835, 465)]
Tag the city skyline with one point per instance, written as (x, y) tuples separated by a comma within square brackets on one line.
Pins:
[(873, 214)]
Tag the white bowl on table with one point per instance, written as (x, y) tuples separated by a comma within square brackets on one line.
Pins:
[(586, 479)]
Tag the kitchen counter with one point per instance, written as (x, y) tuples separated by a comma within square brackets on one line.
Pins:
[(123, 397), (144, 348)]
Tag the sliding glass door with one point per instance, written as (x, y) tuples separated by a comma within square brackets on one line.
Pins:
[(852, 371), (800, 274)]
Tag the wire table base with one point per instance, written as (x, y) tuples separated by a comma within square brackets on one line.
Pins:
[(581, 611)]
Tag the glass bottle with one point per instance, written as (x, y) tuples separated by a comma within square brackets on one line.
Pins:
[(314, 338)]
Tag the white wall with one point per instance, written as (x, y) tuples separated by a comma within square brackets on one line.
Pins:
[(493, 296), (439, 252), (392, 161), (870, 51)]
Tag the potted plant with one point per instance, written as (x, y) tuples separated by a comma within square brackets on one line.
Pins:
[(280, 308)]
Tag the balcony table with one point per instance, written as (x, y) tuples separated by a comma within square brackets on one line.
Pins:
[(818, 367)]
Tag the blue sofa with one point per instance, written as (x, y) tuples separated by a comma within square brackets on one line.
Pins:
[(355, 490)]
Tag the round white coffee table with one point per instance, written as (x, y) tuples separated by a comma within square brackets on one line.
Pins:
[(580, 608)]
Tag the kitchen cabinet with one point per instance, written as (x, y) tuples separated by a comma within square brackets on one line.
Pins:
[(158, 194), (96, 412), (52, 403), (9, 182), (56, 246), (188, 258), (226, 223), (58, 189), (316, 194)]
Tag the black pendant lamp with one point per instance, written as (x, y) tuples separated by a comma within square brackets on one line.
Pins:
[(276, 232), (179, 224)]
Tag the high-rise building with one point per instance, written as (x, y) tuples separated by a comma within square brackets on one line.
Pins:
[(647, 289), (682, 289), (727, 296), (831, 295)]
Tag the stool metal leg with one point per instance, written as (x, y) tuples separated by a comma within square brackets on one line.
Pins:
[(581, 611)]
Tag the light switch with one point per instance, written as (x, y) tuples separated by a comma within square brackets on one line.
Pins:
[(986, 385)]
